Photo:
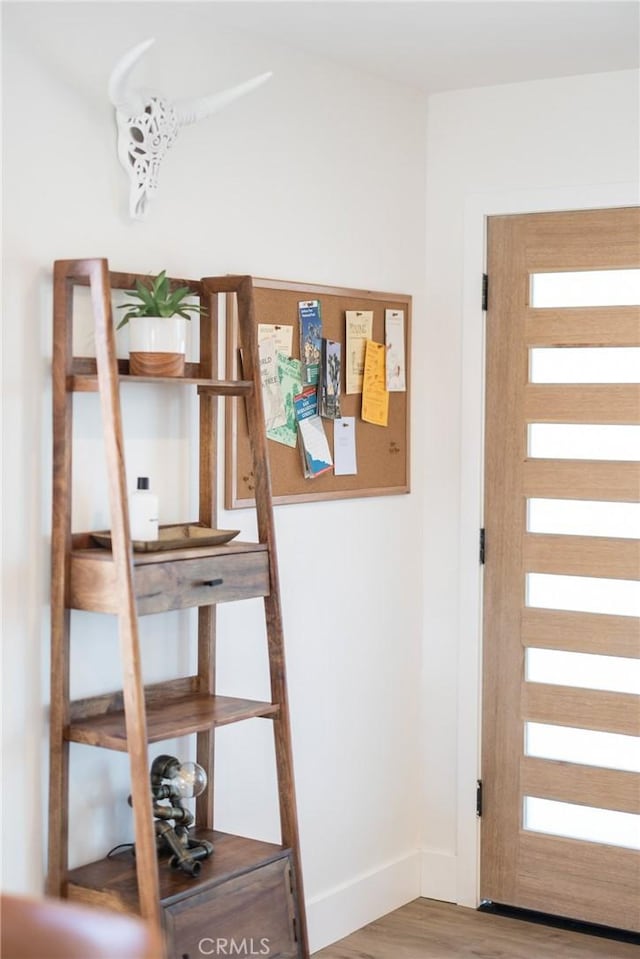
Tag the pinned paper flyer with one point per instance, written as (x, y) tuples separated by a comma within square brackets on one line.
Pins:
[(329, 383), (283, 335), (310, 316), (290, 376), (274, 411), (344, 446), (359, 328), (394, 342), (375, 397), (316, 455)]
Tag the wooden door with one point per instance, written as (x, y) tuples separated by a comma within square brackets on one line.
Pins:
[(560, 755)]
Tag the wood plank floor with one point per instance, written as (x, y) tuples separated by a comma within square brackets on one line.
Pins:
[(426, 929)]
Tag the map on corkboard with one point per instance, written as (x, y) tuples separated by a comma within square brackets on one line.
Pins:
[(382, 452)]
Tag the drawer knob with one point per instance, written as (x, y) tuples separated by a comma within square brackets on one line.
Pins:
[(212, 582)]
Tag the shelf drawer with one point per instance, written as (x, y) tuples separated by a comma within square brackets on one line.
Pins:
[(170, 583), (200, 582)]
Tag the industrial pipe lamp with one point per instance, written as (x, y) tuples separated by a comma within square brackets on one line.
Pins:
[(171, 782)]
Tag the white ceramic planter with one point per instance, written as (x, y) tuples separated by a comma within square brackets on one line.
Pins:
[(157, 345)]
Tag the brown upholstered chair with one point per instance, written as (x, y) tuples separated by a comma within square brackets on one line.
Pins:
[(54, 929)]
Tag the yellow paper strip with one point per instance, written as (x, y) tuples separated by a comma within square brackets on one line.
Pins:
[(375, 398)]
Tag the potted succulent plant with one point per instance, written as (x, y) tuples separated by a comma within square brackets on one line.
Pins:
[(157, 327)]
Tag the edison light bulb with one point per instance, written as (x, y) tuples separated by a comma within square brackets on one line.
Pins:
[(190, 781)]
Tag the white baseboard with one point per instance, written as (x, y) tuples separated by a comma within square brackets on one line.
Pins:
[(439, 876), (354, 904)]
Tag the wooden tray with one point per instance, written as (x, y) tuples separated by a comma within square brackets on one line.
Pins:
[(180, 536)]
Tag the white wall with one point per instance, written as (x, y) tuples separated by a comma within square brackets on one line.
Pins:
[(557, 144), (318, 176)]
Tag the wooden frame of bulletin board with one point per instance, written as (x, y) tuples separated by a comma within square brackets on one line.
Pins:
[(382, 453)]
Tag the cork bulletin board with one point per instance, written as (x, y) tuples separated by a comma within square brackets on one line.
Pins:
[(382, 452)]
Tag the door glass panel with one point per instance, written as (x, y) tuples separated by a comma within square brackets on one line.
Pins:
[(583, 746), (586, 594), (586, 670), (580, 441), (586, 288), (583, 518), (608, 364), (582, 822)]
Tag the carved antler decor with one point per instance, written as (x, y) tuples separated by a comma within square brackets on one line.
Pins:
[(148, 124)]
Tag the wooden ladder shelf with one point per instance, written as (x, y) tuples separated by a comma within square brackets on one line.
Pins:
[(246, 888)]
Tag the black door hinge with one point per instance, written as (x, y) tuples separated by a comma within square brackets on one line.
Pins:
[(482, 547), (485, 291), (479, 797)]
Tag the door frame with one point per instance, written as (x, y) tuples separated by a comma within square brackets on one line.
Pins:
[(478, 207)]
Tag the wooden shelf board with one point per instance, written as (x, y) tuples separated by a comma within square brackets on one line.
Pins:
[(112, 882), (169, 720), (226, 387), (88, 383)]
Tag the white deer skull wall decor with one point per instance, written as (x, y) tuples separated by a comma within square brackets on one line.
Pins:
[(148, 124)]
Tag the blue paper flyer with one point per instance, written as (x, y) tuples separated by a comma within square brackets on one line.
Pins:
[(310, 318), (306, 403), (316, 455)]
